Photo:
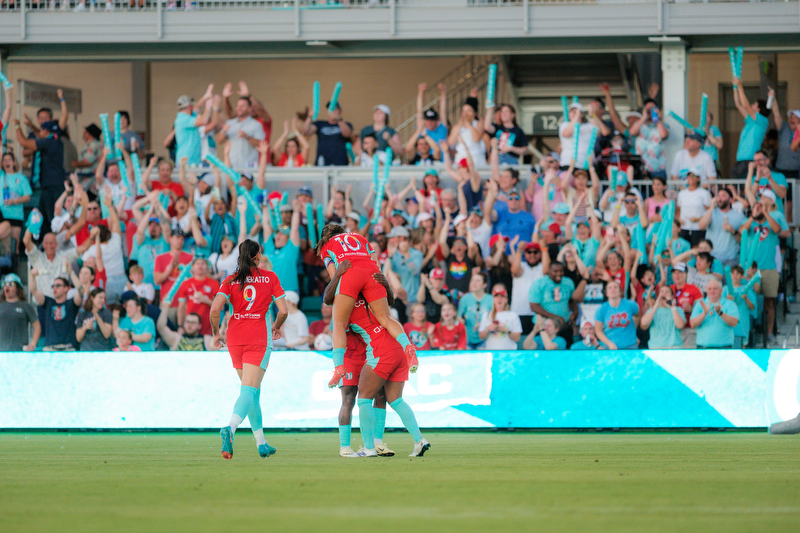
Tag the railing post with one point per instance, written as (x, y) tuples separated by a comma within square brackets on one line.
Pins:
[(159, 20), (660, 16), (392, 18), (297, 18), (526, 23), (22, 21)]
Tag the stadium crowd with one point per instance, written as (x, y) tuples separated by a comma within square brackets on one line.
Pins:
[(547, 261)]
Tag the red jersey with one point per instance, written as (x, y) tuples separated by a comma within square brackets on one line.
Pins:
[(162, 263), (83, 234), (369, 329), (356, 349), (350, 246), (250, 321), (450, 339), (689, 293), (186, 293), (173, 186)]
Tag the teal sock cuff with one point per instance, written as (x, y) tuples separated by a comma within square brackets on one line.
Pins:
[(395, 403), (338, 356), (362, 401), (344, 436), (380, 422), (246, 396), (403, 340)]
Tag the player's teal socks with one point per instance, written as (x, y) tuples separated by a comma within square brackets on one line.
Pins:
[(338, 356), (407, 416), (366, 421), (242, 406), (380, 423), (344, 436), (254, 415), (403, 340)]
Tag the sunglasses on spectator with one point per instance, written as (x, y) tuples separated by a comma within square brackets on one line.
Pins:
[(514, 197), (59, 286), (9, 284), (533, 251), (630, 201), (92, 208)]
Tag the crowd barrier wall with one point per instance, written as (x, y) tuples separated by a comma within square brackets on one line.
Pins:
[(469, 389)]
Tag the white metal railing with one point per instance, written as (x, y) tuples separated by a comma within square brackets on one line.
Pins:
[(184, 5)]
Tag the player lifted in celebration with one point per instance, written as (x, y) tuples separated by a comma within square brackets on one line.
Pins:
[(335, 246), (250, 291), (386, 367)]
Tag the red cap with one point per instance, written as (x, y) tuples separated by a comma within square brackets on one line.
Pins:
[(275, 195), (499, 290), (533, 246), (463, 163), (555, 228), (437, 273), (494, 240)]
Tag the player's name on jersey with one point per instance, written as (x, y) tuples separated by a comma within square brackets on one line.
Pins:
[(257, 279)]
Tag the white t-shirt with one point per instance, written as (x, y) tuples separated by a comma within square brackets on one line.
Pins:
[(226, 265), (295, 328), (145, 290), (481, 236), (113, 261), (693, 204), (520, 304), (614, 200), (501, 340), (703, 160), (243, 154), (201, 201), (476, 149), (568, 144)]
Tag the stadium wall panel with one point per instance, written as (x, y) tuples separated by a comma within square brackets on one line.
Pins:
[(480, 389)]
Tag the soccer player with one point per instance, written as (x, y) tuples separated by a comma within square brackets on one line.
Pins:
[(250, 292), (386, 367), (334, 246)]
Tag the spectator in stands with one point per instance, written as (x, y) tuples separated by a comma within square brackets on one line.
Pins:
[(89, 155), (421, 149), (664, 320), (605, 128), (386, 136), (686, 295), (294, 332), (715, 319), (16, 192), (449, 333), (224, 263), (332, 137), (551, 297), (498, 264), (434, 128), (110, 239), (588, 339), (221, 221), (756, 123), (693, 157), (291, 149), (510, 221), (49, 150), (512, 142), (108, 180), (745, 304), (467, 135), (59, 313), (525, 273), (406, 261), (768, 179), (149, 241), (187, 122), (141, 327), (196, 295), (432, 294), (460, 257), (545, 337), (765, 226), (244, 133), (418, 329), (173, 189), (15, 315), (473, 305), (188, 338), (283, 247), (321, 326), (130, 139), (788, 162), (567, 136), (257, 109), (713, 143), (692, 203), (137, 284), (650, 133), (166, 267), (614, 324), (722, 224), (94, 324), (500, 327), (125, 342)]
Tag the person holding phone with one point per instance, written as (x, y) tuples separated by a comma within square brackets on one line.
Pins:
[(664, 320), (650, 133)]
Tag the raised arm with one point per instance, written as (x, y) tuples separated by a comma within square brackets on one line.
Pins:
[(62, 120)]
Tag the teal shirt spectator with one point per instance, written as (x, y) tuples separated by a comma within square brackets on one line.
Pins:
[(713, 332), (250, 216), (284, 263), (766, 240), (18, 186), (752, 137), (710, 148), (587, 250), (679, 245), (663, 333), (780, 179), (145, 325), (618, 323), (742, 328), (187, 137), (145, 255), (726, 248), (408, 270), (472, 310), (560, 343), (553, 297), (581, 345)]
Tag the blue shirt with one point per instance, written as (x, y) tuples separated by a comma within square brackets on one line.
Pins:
[(742, 328), (583, 346), (187, 137), (618, 322), (145, 325), (284, 263), (145, 255), (587, 250), (408, 270), (725, 246), (513, 224), (780, 179), (752, 137), (553, 297), (713, 332), (766, 240), (472, 310), (18, 186), (439, 134), (663, 333), (710, 148), (561, 344)]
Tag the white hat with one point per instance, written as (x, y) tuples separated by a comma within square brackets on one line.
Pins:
[(576, 105), (293, 297), (398, 231), (384, 108), (795, 112), (352, 215), (459, 219), (633, 114), (422, 217), (769, 194)]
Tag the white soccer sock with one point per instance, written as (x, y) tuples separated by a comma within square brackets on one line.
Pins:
[(378, 441), (259, 435), (235, 421)]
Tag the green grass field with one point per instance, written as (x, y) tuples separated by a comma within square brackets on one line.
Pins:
[(467, 482)]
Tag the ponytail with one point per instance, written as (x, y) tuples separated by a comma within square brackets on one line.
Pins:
[(329, 231), (248, 260)]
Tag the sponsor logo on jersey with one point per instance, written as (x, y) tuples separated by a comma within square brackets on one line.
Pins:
[(246, 316)]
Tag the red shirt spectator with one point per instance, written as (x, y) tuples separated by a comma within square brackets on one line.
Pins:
[(83, 234), (175, 188), (418, 335), (166, 270), (450, 337), (196, 295)]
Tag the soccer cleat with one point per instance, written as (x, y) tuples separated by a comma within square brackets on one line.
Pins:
[(789, 427), (347, 451), (265, 450), (383, 450), (411, 355), (420, 448), (363, 452), (227, 442), (338, 374)]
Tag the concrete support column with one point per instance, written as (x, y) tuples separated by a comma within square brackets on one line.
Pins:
[(674, 83), (140, 100)]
